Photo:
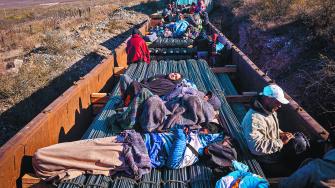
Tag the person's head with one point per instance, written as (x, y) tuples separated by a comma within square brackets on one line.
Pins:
[(174, 76), (193, 4), (213, 100), (136, 31), (273, 97), (180, 16)]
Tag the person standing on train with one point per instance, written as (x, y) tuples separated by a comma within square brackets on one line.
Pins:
[(137, 50), (261, 129)]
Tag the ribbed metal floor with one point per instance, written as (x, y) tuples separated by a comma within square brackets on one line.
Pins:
[(194, 176)]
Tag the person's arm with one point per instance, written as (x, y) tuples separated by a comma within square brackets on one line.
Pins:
[(177, 151), (146, 52), (257, 140)]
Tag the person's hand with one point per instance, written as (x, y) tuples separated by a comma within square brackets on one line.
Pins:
[(286, 137), (186, 130)]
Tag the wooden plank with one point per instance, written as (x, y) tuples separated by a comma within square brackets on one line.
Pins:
[(99, 98), (225, 69), (119, 70), (274, 182), (239, 98), (97, 108), (31, 180)]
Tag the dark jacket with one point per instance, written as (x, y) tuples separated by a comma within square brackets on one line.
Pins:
[(137, 50), (203, 43)]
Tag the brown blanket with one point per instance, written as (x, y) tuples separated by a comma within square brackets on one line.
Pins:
[(72, 159)]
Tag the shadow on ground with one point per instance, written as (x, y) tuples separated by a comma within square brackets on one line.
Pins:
[(19, 115)]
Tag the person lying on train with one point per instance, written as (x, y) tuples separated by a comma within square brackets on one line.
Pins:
[(180, 26), (128, 152), (183, 104), (181, 148), (261, 128), (184, 108), (158, 85), (137, 50)]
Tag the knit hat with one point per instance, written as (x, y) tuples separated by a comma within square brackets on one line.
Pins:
[(214, 101)]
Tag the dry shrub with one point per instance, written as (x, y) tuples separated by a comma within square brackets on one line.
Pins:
[(32, 76), (320, 16), (114, 25), (266, 10), (319, 94), (56, 43)]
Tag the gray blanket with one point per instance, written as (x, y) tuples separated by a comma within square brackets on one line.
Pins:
[(185, 110)]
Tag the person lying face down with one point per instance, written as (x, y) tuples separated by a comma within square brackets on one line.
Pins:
[(159, 85)]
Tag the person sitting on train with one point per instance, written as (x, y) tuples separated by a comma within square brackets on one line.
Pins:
[(261, 128), (201, 6), (313, 172), (193, 8), (137, 50), (158, 85), (181, 147), (167, 13), (203, 43)]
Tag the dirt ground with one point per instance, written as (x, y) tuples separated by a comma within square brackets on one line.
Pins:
[(47, 49), (286, 55)]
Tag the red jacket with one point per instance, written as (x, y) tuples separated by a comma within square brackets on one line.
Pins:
[(137, 50)]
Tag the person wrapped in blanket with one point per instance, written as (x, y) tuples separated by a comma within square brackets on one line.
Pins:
[(128, 152), (163, 101)]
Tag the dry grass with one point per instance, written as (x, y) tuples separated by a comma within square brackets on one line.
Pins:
[(32, 76), (56, 45), (49, 40)]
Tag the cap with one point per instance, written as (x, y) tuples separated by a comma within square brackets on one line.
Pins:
[(276, 92)]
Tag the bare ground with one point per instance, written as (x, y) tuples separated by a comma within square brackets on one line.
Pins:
[(45, 52), (290, 55)]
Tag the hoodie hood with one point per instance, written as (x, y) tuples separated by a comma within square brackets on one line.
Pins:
[(258, 106)]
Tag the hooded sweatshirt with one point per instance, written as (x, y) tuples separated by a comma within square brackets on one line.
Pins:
[(137, 50), (261, 130)]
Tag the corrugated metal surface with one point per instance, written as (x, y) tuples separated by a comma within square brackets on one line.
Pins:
[(194, 176)]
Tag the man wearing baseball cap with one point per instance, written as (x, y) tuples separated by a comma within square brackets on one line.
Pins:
[(260, 124)]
